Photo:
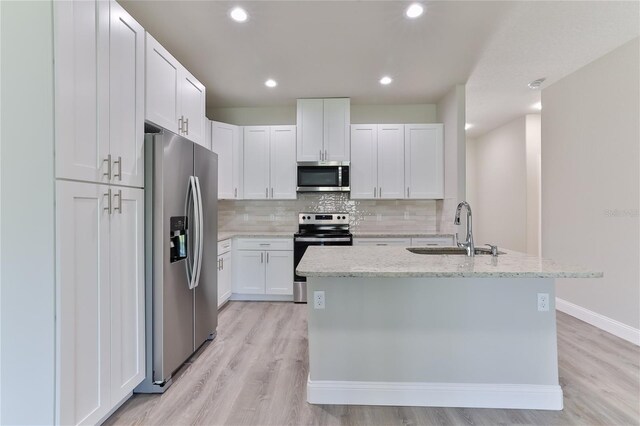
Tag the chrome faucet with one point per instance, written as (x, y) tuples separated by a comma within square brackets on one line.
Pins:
[(468, 244)]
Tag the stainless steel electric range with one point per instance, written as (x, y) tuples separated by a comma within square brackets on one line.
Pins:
[(317, 229)]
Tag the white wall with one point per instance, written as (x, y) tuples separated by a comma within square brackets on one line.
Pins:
[(27, 222), (360, 114), (451, 111), (590, 182), (503, 185)]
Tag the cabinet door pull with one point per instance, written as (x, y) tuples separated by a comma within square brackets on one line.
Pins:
[(320, 155), (119, 207), (235, 193), (408, 192), (266, 193), (271, 192), (267, 257), (325, 155), (108, 161), (262, 257), (180, 120), (380, 192), (108, 195), (374, 192), (119, 174), (222, 263), (186, 126)]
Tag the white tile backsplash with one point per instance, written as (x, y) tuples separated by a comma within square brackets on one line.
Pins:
[(366, 215)]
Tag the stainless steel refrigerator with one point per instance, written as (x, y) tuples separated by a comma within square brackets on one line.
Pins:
[(181, 227)]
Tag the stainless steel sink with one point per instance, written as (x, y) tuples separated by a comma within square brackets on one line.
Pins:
[(449, 250)]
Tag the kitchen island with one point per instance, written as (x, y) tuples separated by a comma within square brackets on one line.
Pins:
[(406, 329)]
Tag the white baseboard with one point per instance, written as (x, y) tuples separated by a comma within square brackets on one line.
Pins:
[(261, 297), (471, 395), (607, 324)]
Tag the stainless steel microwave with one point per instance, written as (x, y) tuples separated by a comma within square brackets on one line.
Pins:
[(323, 176)]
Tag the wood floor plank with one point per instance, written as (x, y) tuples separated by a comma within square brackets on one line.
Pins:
[(255, 373)]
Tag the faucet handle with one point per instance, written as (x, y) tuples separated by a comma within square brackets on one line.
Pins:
[(494, 249)]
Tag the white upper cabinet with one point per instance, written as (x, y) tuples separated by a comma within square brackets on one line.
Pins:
[(269, 162), (256, 162), (162, 94), (337, 119), (310, 128), (377, 165), (226, 141), (81, 44), (323, 129), (390, 161), (283, 170), (192, 96), (424, 160), (126, 98), (364, 165), (175, 99), (99, 87)]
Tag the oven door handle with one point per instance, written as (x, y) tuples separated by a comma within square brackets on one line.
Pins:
[(321, 240)]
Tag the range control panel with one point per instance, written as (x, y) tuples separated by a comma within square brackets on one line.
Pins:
[(323, 218)]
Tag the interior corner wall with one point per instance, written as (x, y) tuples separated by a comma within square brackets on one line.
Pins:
[(450, 110), (500, 186), (27, 252), (590, 182)]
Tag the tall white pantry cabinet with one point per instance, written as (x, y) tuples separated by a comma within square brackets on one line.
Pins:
[(99, 104)]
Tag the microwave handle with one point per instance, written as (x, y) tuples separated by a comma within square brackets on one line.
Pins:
[(340, 176)]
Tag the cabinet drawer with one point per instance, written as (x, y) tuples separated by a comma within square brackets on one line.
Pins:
[(224, 246), (406, 242), (264, 244), (432, 241)]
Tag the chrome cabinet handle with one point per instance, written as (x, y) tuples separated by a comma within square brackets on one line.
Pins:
[(180, 120), (325, 154), (271, 192), (266, 193), (235, 193), (119, 207), (186, 126), (265, 244), (119, 163), (380, 192), (222, 262), (267, 257), (374, 192), (108, 161), (108, 195), (408, 192), (261, 257), (320, 155)]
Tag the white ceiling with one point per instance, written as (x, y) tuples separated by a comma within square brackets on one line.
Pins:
[(342, 48)]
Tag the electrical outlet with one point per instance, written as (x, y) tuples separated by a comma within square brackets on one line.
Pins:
[(543, 302), (318, 300)]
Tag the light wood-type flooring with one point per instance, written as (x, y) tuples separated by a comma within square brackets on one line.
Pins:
[(255, 373)]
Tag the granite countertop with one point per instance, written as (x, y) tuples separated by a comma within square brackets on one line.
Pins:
[(225, 235), (398, 234), (390, 261)]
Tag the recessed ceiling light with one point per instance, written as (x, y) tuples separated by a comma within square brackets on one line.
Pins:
[(537, 105), (238, 14), (271, 83), (414, 10), (535, 84), (386, 80), (468, 126)]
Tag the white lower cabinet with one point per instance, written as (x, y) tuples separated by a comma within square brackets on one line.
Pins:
[(100, 300), (263, 267), (224, 271)]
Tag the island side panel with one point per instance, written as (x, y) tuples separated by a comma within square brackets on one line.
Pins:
[(433, 330)]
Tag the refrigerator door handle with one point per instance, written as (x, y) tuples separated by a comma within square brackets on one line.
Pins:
[(200, 231), (192, 196)]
